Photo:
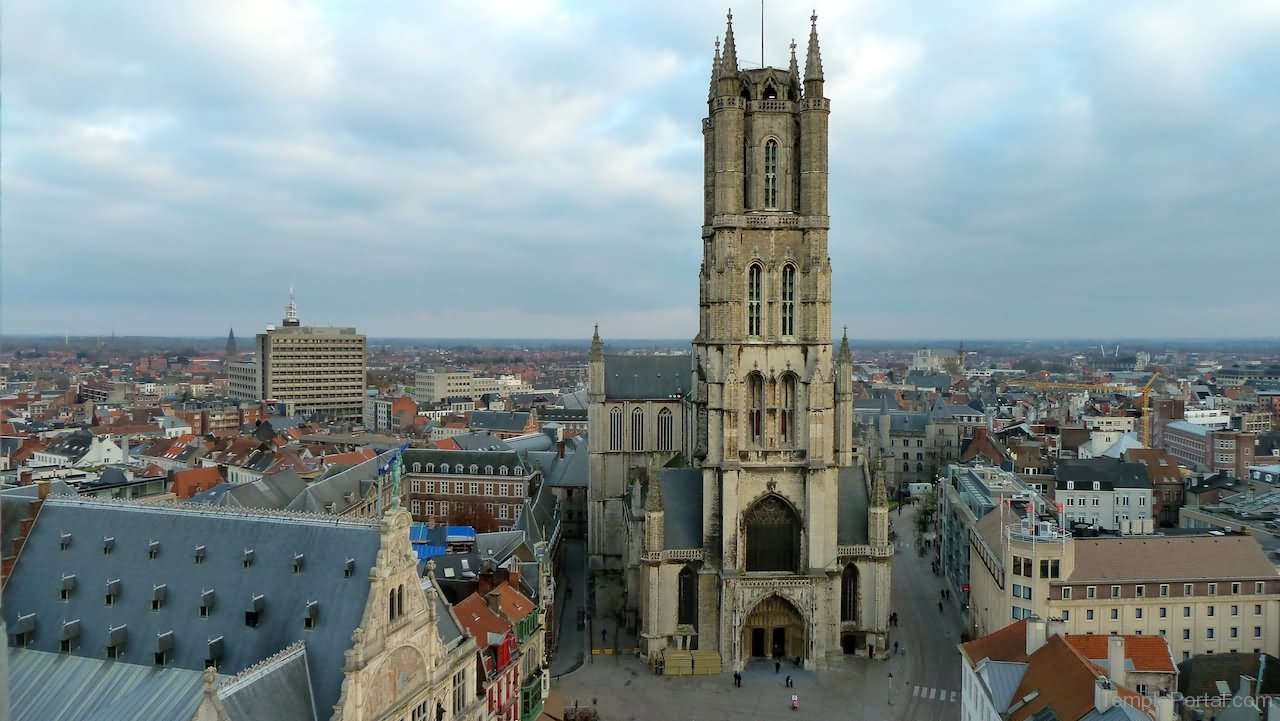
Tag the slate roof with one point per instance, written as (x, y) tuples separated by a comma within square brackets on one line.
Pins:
[(479, 441), (576, 400), (1198, 675), (540, 517), (275, 491), (635, 377), (682, 507), (224, 536), (47, 685), (73, 445), (334, 489), (571, 471), (466, 459), (279, 690), (509, 421), (852, 504), (1110, 472)]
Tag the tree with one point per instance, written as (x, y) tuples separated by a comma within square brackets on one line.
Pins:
[(474, 514), (928, 508)]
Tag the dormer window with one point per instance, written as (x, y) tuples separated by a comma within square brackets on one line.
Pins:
[(311, 615), (206, 603), (158, 594), (253, 613), (164, 647), (68, 586), (246, 559), (112, 592), (349, 568), (64, 541), (213, 654), (24, 631), (70, 636), (116, 638)]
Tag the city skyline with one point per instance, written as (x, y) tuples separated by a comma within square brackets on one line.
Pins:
[(527, 170)]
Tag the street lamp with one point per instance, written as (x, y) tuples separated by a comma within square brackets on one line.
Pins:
[(890, 688)]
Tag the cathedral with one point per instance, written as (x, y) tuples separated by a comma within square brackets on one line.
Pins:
[(728, 510)]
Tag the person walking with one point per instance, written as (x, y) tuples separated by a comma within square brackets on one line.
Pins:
[(895, 648), (777, 666), (789, 684), (737, 679)]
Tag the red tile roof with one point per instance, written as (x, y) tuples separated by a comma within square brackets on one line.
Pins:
[(475, 616), (195, 480), (1006, 644), (514, 604), (1148, 653)]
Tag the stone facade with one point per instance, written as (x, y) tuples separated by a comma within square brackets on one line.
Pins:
[(789, 555)]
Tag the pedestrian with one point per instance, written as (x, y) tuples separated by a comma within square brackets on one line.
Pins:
[(604, 635), (737, 679), (777, 666), (895, 648), (788, 682), (939, 606)]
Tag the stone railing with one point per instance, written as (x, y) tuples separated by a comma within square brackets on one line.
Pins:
[(771, 220), (815, 104), (774, 583), (772, 105), (674, 554), (865, 550)]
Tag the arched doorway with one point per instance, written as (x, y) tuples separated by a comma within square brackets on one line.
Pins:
[(772, 536), (774, 629)]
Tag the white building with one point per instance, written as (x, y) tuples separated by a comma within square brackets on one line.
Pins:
[(1105, 492)]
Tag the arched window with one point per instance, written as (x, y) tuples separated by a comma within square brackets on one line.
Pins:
[(519, 470), (754, 274), (417, 468), (444, 467), (920, 467), (666, 428), (773, 536), (637, 429), (474, 469), (787, 410), (906, 466), (849, 594), (502, 470), (771, 174), (615, 429), (687, 597), (431, 467), (488, 470), (457, 468), (755, 408), (788, 299)]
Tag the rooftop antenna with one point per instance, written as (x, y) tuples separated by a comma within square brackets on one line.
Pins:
[(762, 34)]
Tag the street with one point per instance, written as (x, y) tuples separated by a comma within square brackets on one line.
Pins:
[(926, 675)]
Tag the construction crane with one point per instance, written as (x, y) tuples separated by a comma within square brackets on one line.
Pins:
[(1053, 386), (1146, 410)]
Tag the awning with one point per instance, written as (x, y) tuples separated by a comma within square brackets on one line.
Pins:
[(117, 635), (113, 587), (313, 611), (206, 599), (69, 582), (108, 543), (25, 624), (70, 630), (256, 603), (164, 642), (215, 648), (159, 592)]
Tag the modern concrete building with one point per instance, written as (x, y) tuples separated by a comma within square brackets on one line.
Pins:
[(433, 386), (1204, 449), (309, 369)]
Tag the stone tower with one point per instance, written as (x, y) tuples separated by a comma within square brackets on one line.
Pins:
[(774, 404)]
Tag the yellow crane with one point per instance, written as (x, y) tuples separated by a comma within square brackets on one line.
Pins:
[(1053, 386), (1146, 410)]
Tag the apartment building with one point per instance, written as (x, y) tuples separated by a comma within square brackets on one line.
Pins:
[(311, 369), (1210, 592), (487, 489), (1104, 492), (1205, 449)]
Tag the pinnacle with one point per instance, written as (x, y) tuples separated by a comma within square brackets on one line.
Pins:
[(729, 60), (813, 60)]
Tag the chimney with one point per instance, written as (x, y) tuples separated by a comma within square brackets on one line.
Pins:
[(1035, 634), (1104, 695), (42, 489), (1164, 707), (1245, 690), (1055, 627), (1115, 659), (513, 575), (493, 600), (560, 447)]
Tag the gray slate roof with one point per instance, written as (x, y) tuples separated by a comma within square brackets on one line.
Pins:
[(1109, 472), (509, 421), (853, 502), (39, 573), (46, 685), (480, 441), (280, 691), (634, 377), (356, 480), (682, 507), (275, 491), (568, 472)]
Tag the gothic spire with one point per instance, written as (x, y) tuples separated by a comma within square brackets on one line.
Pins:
[(879, 494), (845, 353), (813, 62), (729, 61), (795, 67), (597, 345), (715, 70)]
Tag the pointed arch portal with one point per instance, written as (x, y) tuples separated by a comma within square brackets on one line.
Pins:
[(774, 629)]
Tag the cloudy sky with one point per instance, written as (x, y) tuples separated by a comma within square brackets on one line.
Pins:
[(1019, 168)]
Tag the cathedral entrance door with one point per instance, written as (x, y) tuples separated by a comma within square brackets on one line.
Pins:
[(774, 628)]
